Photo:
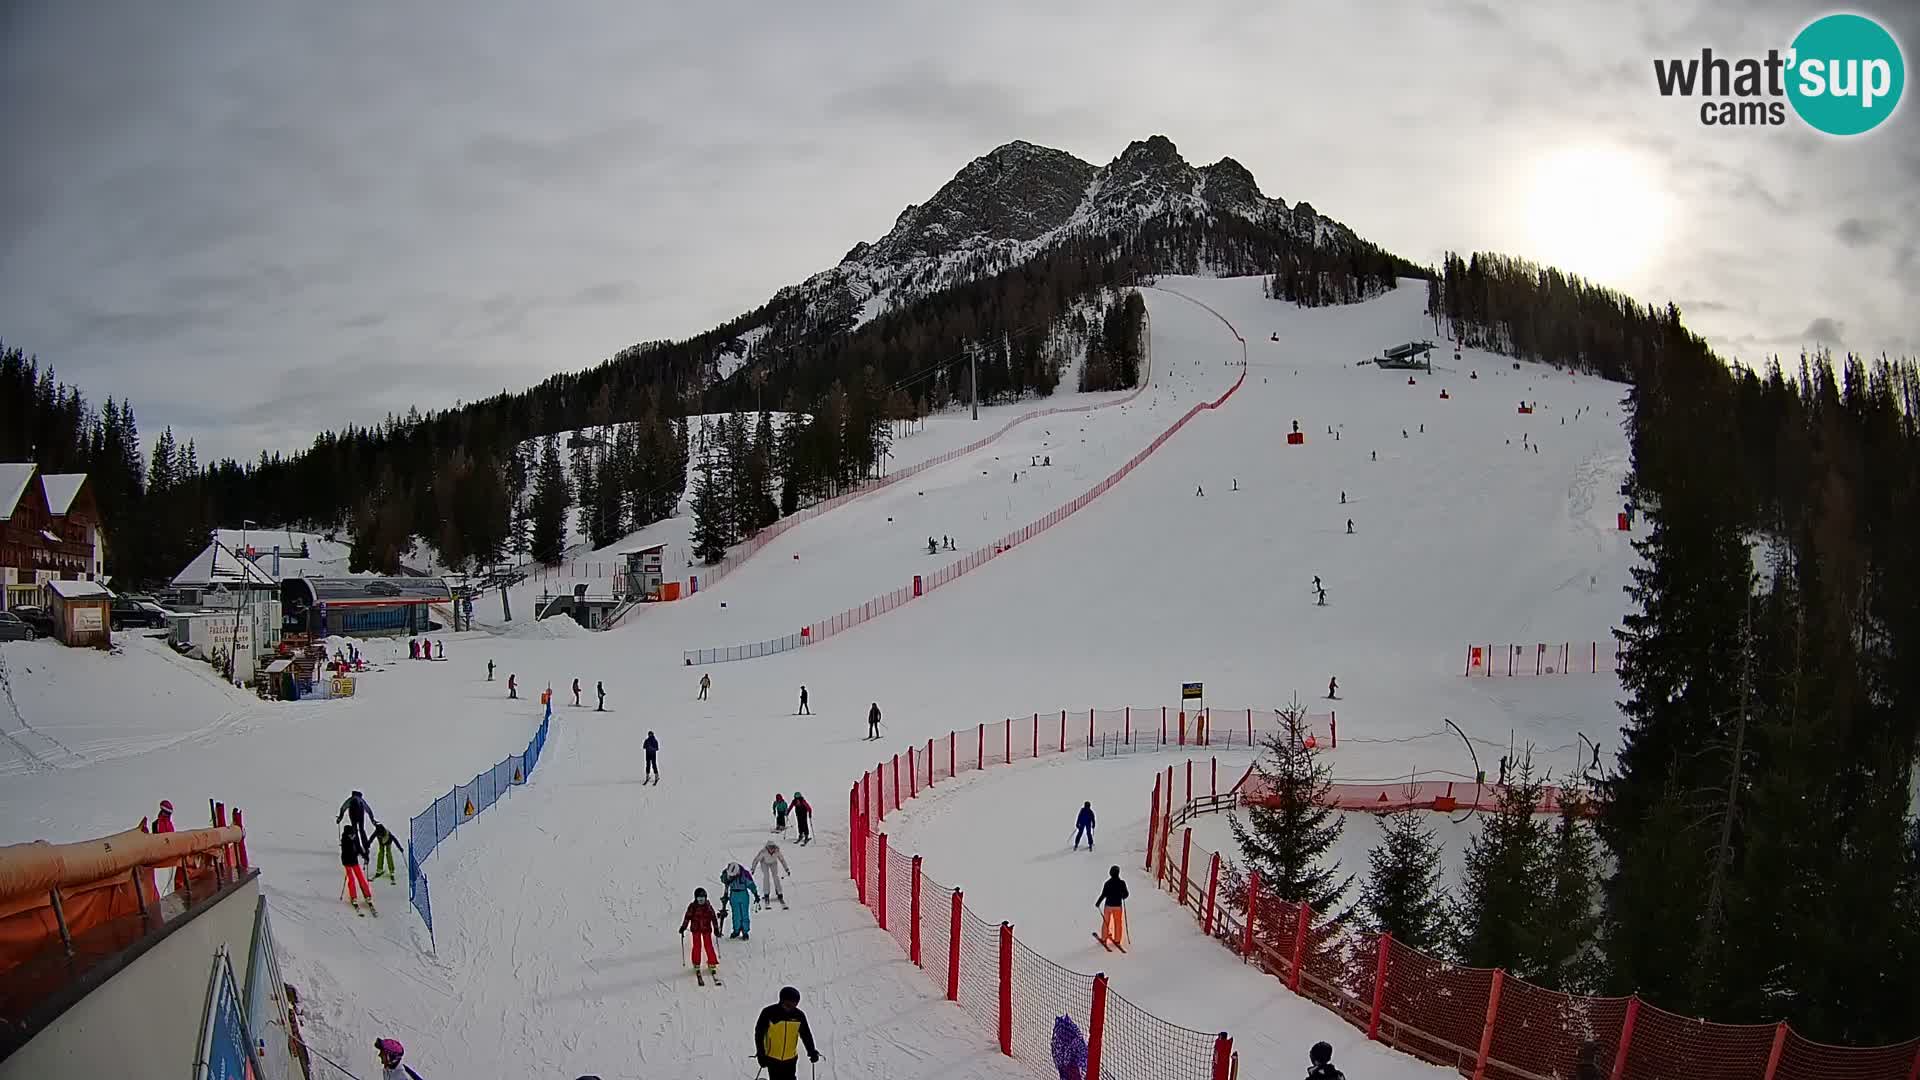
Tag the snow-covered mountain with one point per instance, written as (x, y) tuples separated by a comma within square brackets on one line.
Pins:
[(1011, 205)]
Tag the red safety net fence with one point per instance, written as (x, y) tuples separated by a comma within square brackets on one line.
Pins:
[(1482, 1022), (1015, 994), (922, 584)]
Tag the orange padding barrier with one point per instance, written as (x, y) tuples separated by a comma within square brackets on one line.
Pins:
[(99, 881)]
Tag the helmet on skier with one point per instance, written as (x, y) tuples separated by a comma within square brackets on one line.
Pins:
[(773, 847), (166, 806), (789, 996), (390, 1051), (699, 894), (1320, 1054)]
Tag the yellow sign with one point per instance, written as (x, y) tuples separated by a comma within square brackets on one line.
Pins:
[(343, 687), (469, 807), (516, 776)]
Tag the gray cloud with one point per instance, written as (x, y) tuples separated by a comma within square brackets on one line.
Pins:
[(1856, 232), (1824, 331), (265, 223)]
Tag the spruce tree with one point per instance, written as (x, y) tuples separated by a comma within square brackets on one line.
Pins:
[(1569, 917), (551, 500), (1286, 837), (1403, 895), (1508, 873), (710, 515)]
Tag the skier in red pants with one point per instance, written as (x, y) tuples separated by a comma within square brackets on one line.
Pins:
[(702, 919)]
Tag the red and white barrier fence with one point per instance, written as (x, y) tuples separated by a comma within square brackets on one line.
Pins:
[(1543, 658)]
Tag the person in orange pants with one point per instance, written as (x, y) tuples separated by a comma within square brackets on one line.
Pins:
[(1113, 912), (703, 920), (352, 854)]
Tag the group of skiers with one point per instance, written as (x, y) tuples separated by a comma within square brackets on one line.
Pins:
[(741, 894), (945, 543), (422, 649), (358, 846), (802, 812)]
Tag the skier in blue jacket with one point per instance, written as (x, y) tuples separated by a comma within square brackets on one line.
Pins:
[(742, 894), (1083, 825)]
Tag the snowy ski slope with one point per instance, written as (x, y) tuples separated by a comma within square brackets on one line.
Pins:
[(555, 911)]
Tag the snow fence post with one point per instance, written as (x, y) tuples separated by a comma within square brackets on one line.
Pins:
[(1189, 801), (1097, 1024), (1163, 725), (913, 925), (1183, 727), (853, 833), (1213, 892), (240, 846), (980, 760), (1779, 1046), (1222, 1056), (913, 775), (1036, 734), (952, 766), (1127, 737), (953, 950), (1626, 1040), (1299, 945), (1153, 821), (1486, 1032), (1186, 853), (929, 760), (1008, 735), (1063, 745), (1379, 987), (1333, 728), (881, 910), (1213, 785), (1006, 989)]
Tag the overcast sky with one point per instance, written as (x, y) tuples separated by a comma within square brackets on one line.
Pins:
[(261, 220)]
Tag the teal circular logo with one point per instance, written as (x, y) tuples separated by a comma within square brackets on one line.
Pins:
[(1847, 74)]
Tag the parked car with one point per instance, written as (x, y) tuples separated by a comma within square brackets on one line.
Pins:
[(39, 618), (127, 612), (14, 628)]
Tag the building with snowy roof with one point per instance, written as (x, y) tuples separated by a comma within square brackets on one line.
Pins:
[(81, 615), (361, 606), (49, 530)]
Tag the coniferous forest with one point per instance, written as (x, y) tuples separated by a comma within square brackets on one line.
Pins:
[(1755, 854)]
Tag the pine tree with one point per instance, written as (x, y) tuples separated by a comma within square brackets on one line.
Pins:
[(1287, 836), (1508, 872), (586, 489), (1569, 919), (710, 536), (1403, 895), (551, 500)]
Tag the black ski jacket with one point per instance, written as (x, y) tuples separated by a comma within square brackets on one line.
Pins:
[(1113, 893)]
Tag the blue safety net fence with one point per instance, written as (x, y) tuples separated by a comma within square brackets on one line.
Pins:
[(456, 808)]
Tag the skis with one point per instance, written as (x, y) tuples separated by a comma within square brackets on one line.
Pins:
[(654, 779), (1109, 945), (712, 973), (363, 914)]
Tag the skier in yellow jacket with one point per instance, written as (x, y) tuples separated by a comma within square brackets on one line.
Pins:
[(779, 1034)]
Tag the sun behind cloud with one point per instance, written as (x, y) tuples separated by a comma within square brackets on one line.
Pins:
[(1597, 211)]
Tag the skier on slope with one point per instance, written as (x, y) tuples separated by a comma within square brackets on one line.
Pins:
[(802, 815), (779, 1034), (1333, 689), (356, 810), (600, 692), (652, 747), (873, 721), (576, 693), (703, 921), (803, 710), (770, 864), (1113, 913), (779, 812), (389, 1053), (489, 671), (513, 687), (742, 894), (353, 852), (706, 683), (1083, 824), (383, 844), (1322, 1058)]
